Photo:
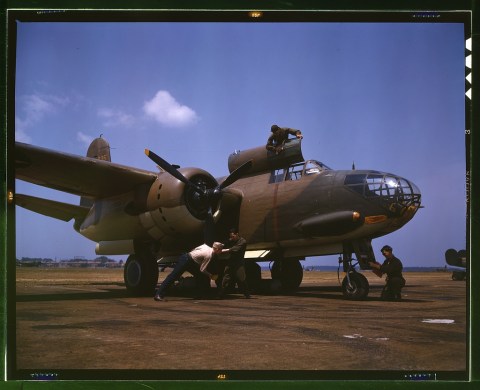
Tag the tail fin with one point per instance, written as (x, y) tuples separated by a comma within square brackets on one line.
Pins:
[(99, 149)]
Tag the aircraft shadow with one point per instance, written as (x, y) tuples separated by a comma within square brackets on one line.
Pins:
[(325, 292), (74, 296), (335, 293)]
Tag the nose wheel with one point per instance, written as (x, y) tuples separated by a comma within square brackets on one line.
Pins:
[(355, 286)]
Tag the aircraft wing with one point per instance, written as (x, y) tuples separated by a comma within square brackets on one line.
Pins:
[(83, 176), (51, 208)]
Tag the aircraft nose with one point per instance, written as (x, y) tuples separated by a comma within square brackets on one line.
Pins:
[(399, 196)]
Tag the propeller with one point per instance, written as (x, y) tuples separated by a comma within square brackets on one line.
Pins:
[(236, 174), (166, 166), (209, 196)]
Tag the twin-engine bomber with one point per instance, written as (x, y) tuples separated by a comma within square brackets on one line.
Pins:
[(287, 208)]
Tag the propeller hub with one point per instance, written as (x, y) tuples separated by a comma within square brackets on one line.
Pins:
[(198, 196)]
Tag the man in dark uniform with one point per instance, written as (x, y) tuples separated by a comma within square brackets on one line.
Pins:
[(278, 137), (393, 267), (235, 268)]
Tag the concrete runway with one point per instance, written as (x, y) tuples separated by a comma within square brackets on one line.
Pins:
[(81, 324)]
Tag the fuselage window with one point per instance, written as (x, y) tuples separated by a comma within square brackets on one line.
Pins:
[(311, 168), (277, 175), (295, 172), (356, 182)]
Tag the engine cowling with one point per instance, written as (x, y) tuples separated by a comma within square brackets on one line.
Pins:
[(176, 208)]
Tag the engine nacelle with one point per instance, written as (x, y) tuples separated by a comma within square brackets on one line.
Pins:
[(175, 208), (264, 160)]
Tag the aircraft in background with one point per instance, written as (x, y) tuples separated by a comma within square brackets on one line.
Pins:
[(457, 259), (285, 207)]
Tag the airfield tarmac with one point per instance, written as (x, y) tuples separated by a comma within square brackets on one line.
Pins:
[(83, 319)]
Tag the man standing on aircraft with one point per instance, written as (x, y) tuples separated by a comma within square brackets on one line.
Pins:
[(235, 268), (278, 137), (393, 267), (196, 262)]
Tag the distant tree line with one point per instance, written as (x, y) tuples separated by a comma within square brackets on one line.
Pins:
[(101, 262)]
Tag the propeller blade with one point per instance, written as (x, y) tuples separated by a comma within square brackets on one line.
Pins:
[(166, 166), (236, 174), (209, 229)]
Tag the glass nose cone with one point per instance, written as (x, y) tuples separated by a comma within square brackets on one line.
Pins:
[(394, 193)]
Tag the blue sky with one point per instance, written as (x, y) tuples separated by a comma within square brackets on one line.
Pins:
[(385, 96)]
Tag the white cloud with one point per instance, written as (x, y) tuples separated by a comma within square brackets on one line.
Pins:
[(114, 118), (167, 111), (33, 109), (84, 138), (20, 134), (37, 106)]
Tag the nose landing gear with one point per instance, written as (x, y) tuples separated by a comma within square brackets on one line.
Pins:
[(355, 286)]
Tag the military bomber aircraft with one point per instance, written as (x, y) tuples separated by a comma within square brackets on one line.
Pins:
[(287, 208)]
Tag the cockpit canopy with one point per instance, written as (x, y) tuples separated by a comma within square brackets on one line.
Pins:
[(297, 171)]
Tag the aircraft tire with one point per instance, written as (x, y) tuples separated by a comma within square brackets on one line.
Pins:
[(359, 287), (140, 275), (254, 275), (289, 272)]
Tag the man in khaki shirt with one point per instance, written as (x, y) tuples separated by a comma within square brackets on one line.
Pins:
[(279, 136)]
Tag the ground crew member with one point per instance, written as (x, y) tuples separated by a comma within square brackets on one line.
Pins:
[(235, 268), (196, 262), (279, 136), (393, 267)]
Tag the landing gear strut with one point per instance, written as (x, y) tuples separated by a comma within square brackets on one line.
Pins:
[(354, 285)]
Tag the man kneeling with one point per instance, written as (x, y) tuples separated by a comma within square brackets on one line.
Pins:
[(393, 267)]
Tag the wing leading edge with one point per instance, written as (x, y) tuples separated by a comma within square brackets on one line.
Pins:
[(83, 176)]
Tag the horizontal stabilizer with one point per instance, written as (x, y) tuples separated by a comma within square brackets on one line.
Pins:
[(51, 208)]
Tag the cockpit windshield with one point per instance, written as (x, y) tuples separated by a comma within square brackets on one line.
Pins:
[(314, 166), (297, 171)]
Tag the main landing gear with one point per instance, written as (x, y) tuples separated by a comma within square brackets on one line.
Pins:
[(355, 286), (286, 275), (141, 274), (289, 273)]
